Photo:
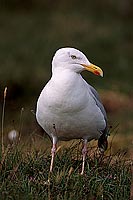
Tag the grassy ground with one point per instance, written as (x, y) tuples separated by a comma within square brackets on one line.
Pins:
[(25, 174)]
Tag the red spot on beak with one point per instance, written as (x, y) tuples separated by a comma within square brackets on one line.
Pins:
[(97, 73)]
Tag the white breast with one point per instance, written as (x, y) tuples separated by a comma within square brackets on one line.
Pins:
[(68, 110)]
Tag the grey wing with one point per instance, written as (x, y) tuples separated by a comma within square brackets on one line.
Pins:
[(102, 141), (98, 101)]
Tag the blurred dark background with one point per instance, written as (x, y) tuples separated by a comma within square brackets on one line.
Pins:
[(32, 30)]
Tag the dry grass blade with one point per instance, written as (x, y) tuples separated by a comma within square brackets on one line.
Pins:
[(131, 195), (2, 122), (20, 123)]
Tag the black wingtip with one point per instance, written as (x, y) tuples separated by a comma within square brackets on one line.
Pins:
[(103, 143)]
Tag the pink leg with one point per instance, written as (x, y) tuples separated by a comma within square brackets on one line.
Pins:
[(84, 152), (53, 151)]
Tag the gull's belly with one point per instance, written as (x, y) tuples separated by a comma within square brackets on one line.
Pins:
[(71, 125), (70, 112)]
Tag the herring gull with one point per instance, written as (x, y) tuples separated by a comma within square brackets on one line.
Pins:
[(68, 107)]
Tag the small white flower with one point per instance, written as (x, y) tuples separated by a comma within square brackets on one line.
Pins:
[(12, 135)]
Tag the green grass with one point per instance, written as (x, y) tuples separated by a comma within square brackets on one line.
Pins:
[(24, 174)]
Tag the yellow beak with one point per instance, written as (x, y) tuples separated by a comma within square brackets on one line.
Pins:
[(94, 69)]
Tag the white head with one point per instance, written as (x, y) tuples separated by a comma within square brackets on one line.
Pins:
[(75, 60)]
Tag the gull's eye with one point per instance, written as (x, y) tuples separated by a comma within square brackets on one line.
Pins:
[(73, 57)]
